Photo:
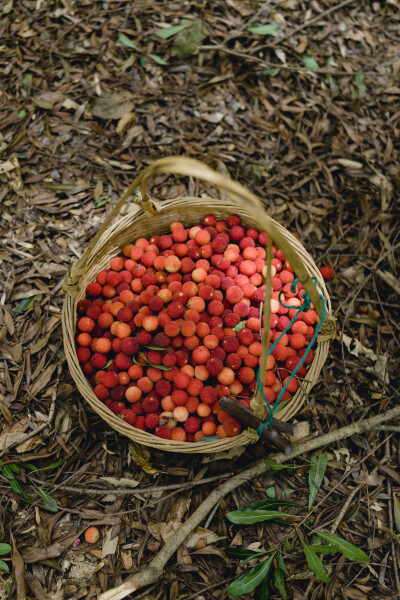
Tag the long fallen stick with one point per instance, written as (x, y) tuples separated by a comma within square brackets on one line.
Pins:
[(155, 569)]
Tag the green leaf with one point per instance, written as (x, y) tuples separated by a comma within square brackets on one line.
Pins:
[(245, 554), (101, 202), (5, 549), (14, 468), (264, 591), (188, 40), (4, 566), (157, 59), (155, 348), (279, 577), (314, 563), (161, 367), (267, 72), (267, 504), (48, 501), (273, 466), (348, 550), (26, 303), (21, 114), (269, 29), (250, 580), (47, 467), (7, 472), (127, 42), (110, 363), (168, 32), (239, 326), (310, 63), (17, 487), (322, 549), (271, 492), (282, 565), (247, 517), (242, 553), (359, 79), (316, 475)]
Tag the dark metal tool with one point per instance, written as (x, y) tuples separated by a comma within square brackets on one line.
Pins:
[(270, 435)]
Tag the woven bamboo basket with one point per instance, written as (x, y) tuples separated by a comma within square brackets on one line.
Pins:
[(149, 217)]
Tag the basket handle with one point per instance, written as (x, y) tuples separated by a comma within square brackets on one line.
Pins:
[(178, 165)]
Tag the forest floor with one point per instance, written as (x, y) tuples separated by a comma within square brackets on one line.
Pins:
[(305, 113)]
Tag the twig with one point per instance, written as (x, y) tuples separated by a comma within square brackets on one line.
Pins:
[(395, 428), (343, 511), (156, 567), (140, 491), (50, 417), (261, 61)]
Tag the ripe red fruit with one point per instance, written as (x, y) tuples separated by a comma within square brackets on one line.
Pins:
[(93, 289), (233, 361), (246, 375), (122, 361), (163, 388), (83, 305), (232, 426), (192, 424), (214, 366), (297, 341), (110, 379), (98, 360), (129, 416), (230, 344), (83, 354), (101, 392), (140, 423), (208, 395), (179, 397), (200, 355), (215, 308), (143, 338), (175, 310), (117, 407), (129, 346), (327, 273), (150, 404), (117, 394), (85, 324), (163, 432), (151, 421)]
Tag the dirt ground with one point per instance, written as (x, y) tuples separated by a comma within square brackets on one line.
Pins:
[(306, 114)]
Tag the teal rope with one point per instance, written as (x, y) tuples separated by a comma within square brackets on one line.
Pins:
[(271, 411)]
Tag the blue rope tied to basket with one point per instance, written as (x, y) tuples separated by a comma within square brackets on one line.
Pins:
[(303, 308)]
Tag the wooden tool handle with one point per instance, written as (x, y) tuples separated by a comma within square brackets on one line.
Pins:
[(243, 413), (270, 435)]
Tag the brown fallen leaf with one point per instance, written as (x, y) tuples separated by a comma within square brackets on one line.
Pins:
[(213, 550), (112, 106), (396, 511), (33, 555), (36, 587), (19, 571), (43, 379), (390, 472)]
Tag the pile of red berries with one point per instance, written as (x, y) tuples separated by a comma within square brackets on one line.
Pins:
[(174, 324)]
